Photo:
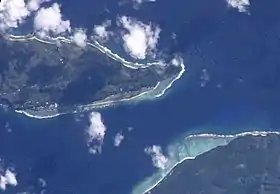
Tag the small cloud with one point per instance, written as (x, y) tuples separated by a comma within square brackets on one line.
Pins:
[(42, 182), (130, 129), (205, 77), (49, 21), (95, 133), (241, 5), (137, 3), (140, 39), (176, 61), (8, 127), (118, 139), (8, 179), (80, 38), (100, 32), (159, 160)]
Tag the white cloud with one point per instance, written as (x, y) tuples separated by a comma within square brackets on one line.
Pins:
[(159, 160), (130, 129), (241, 5), (118, 139), (42, 182), (204, 78), (49, 20), (95, 133), (101, 33), (175, 61), (12, 13), (140, 39), (137, 3), (34, 5), (8, 179), (80, 37)]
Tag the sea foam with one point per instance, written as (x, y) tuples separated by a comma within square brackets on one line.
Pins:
[(188, 148), (157, 91)]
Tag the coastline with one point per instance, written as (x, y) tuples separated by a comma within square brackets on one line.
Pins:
[(149, 94), (161, 175)]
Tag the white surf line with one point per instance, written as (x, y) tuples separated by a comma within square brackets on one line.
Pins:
[(94, 105), (112, 102), (89, 106), (254, 133), (104, 104), (106, 51), (234, 136), (168, 173), (110, 54), (143, 93), (38, 117), (183, 69), (96, 45)]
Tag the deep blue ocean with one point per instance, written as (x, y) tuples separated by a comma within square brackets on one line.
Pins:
[(240, 53)]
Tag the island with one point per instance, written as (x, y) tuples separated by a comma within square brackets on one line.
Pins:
[(54, 75), (248, 164)]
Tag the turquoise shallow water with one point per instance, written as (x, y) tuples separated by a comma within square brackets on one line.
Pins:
[(240, 55), (55, 149)]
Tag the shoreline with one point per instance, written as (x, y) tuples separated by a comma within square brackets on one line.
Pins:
[(113, 56), (211, 135)]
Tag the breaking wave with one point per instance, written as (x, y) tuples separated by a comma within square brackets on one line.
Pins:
[(157, 91), (188, 148)]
